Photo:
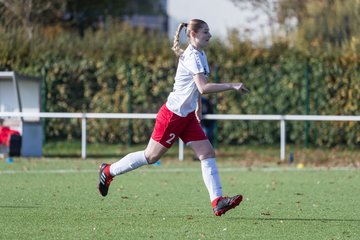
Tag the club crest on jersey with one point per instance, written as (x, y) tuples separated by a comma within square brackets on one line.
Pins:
[(206, 72)]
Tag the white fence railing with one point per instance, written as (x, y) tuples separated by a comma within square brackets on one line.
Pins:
[(281, 118)]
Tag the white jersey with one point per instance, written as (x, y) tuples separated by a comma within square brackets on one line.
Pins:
[(183, 99)]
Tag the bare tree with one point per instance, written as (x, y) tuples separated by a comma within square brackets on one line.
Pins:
[(332, 22), (267, 7), (278, 10), (29, 13)]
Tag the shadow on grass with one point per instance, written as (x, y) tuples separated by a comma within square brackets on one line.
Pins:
[(17, 207), (66, 155), (95, 155), (302, 219)]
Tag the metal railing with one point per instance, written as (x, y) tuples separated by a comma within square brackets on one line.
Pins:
[(281, 118)]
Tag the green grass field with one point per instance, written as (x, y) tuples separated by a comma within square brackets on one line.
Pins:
[(58, 199)]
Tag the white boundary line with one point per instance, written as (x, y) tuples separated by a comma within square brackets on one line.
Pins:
[(185, 170)]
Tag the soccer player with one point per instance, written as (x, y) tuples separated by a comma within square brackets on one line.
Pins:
[(180, 118)]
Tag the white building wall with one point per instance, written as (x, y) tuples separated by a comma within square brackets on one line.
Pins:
[(221, 16)]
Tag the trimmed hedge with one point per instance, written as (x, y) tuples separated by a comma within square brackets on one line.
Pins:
[(120, 69)]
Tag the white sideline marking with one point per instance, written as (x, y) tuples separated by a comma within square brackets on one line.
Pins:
[(166, 170)]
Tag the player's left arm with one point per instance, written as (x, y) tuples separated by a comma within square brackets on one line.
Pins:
[(204, 87)]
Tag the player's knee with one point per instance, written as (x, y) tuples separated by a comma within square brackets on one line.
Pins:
[(152, 158), (208, 154)]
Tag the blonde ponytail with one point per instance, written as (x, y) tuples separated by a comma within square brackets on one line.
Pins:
[(176, 46)]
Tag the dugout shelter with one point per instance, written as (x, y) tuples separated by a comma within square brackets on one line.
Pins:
[(19, 93)]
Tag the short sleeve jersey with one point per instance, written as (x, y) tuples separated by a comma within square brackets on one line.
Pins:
[(183, 99)]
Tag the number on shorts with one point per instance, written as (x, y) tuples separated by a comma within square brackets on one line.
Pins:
[(172, 136)]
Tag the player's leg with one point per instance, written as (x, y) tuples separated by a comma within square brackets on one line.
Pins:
[(128, 163), (154, 150), (196, 139), (131, 161), (205, 152), (151, 154)]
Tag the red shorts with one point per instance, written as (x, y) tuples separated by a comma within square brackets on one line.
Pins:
[(169, 127)]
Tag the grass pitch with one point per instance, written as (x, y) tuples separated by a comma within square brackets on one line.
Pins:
[(58, 199)]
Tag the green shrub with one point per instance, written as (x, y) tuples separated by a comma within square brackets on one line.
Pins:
[(120, 69)]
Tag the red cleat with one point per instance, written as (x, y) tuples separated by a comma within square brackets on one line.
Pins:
[(223, 204)]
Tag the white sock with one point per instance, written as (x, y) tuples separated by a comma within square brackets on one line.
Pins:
[(128, 163), (211, 178)]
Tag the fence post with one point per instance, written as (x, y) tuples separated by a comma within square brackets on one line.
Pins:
[(129, 107), (307, 102), (83, 136), (282, 138), (181, 150)]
